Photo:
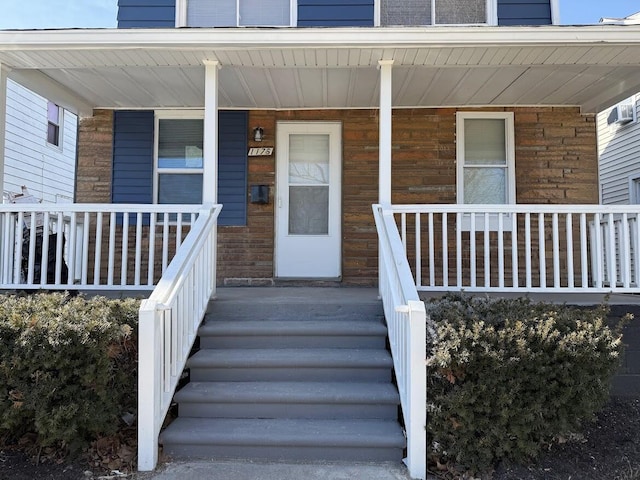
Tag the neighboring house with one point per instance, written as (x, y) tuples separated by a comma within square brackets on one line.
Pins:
[(40, 146), (471, 124), (619, 143)]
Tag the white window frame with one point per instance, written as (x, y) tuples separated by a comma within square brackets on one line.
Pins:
[(491, 11), (634, 188), (157, 171), (510, 177), (60, 126), (181, 14)]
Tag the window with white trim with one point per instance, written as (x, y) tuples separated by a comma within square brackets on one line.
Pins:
[(438, 12), (485, 154), (54, 124), (178, 160), (237, 13)]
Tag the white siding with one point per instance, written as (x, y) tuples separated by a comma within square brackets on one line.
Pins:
[(46, 170), (619, 156)]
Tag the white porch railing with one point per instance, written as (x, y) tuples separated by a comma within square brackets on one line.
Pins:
[(168, 324), (89, 246), (406, 323), (522, 248)]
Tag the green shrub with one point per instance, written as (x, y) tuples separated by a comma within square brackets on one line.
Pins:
[(67, 367), (507, 376)]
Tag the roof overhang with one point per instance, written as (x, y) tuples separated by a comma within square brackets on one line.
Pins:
[(286, 68)]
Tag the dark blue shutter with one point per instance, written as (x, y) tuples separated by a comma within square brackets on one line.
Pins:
[(146, 13), (524, 12), (232, 167), (335, 13), (133, 157)]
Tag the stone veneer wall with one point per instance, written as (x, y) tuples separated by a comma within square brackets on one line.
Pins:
[(556, 162)]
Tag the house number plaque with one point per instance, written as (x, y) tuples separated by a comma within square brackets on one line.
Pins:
[(260, 151)]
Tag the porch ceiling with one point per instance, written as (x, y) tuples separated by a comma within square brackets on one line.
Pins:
[(590, 67)]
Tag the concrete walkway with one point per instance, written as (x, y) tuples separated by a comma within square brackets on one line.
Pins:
[(255, 470)]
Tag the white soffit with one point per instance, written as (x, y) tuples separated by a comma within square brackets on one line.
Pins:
[(589, 67)]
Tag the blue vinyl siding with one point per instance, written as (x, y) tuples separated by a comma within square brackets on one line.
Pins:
[(524, 12), (133, 141), (232, 167), (335, 13), (146, 13)]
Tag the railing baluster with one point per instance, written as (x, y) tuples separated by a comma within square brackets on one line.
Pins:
[(432, 269), (459, 249), (72, 249), (418, 252), (472, 247), (611, 252), (138, 257), (514, 249), (636, 251), (542, 251), (165, 241), (124, 263), (625, 244), (569, 227), (500, 251), (44, 257), (86, 225), (403, 231), (556, 250), (178, 231), (97, 262), (152, 249), (527, 249), (445, 252), (17, 257), (487, 253), (112, 247), (584, 269)]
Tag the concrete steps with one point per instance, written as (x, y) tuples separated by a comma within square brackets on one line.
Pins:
[(289, 380)]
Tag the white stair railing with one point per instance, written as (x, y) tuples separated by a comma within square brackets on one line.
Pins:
[(406, 322), (522, 248), (89, 246), (168, 325)]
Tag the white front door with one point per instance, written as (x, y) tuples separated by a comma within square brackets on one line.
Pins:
[(308, 209)]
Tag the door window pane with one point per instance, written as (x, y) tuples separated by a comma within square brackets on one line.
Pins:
[(309, 159), (308, 210)]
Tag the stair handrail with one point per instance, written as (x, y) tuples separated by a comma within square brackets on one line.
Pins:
[(168, 324), (406, 323)]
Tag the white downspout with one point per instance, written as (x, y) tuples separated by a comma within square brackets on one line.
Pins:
[(384, 180)]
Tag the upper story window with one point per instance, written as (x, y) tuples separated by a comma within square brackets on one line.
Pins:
[(237, 13), (54, 124), (437, 12)]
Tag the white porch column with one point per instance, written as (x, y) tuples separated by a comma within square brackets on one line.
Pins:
[(4, 73), (210, 146), (384, 168)]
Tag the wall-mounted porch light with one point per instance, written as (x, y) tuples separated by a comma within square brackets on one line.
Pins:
[(258, 134)]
